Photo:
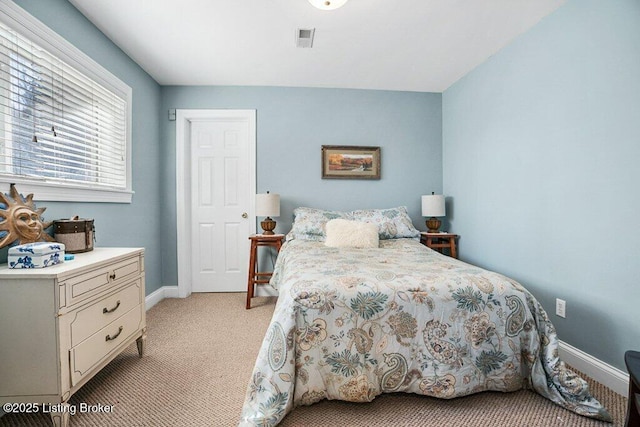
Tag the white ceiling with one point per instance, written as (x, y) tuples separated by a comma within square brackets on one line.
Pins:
[(408, 45)]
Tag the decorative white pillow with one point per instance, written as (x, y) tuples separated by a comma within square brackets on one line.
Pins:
[(342, 233)]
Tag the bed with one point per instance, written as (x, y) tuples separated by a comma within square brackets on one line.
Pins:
[(353, 322)]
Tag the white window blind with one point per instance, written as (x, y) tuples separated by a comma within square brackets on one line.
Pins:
[(58, 125)]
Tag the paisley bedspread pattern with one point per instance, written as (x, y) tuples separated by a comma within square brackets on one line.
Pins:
[(351, 324)]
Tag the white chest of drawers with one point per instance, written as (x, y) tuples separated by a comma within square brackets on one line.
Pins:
[(60, 325)]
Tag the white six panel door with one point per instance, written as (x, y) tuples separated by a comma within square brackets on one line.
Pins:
[(220, 201)]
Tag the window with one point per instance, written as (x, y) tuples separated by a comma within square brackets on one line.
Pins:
[(64, 120)]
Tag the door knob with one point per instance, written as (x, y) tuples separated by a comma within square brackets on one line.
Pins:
[(244, 215)]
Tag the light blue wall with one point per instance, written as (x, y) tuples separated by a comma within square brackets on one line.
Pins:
[(541, 145), (136, 224), (293, 124), (541, 158)]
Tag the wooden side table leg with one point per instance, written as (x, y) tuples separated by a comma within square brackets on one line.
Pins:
[(452, 247), (252, 273), (633, 412)]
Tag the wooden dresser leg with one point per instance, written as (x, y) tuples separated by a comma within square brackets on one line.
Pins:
[(61, 419), (141, 341)]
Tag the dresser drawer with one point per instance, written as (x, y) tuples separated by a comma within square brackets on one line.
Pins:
[(91, 319), (90, 352), (83, 286)]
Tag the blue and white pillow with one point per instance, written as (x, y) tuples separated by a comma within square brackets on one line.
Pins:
[(393, 223), (310, 223)]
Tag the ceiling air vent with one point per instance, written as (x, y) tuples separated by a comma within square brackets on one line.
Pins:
[(304, 37)]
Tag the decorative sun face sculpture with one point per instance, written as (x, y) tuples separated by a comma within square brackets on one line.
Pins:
[(20, 221)]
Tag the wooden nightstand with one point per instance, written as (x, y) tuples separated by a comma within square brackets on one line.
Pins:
[(440, 241), (256, 277)]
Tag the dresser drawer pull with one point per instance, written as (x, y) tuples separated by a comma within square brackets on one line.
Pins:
[(110, 338), (107, 311), (112, 276)]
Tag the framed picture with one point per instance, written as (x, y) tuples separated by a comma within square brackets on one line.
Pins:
[(350, 162)]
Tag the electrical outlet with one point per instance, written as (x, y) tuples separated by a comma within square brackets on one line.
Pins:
[(561, 308)]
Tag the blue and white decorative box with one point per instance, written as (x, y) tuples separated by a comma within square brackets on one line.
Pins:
[(36, 255)]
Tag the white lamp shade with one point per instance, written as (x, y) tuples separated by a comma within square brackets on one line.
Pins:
[(328, 4), (267, 204), (433, 205)]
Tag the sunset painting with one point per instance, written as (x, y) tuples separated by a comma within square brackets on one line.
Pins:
[(350, 162)]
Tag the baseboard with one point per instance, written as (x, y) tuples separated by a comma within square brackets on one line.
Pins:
[(604, 373), (159, 294)]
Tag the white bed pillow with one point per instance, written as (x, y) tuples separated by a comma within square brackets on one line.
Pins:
[(342, 233)]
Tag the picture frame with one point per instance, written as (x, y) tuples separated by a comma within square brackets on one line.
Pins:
[(350, 162)]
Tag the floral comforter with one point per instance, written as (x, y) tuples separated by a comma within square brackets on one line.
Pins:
[(351, 324)]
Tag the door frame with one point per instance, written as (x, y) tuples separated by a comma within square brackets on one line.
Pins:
[(184, 117)]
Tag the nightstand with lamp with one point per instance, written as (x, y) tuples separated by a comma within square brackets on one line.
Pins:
[(433, 206), (267, 205)]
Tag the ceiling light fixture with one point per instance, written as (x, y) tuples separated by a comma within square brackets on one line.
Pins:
[(328, 4)]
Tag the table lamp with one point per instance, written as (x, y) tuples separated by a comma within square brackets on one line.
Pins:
[(268, 205), (433, 206)]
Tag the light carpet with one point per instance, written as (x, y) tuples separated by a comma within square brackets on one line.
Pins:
[(200, 354)]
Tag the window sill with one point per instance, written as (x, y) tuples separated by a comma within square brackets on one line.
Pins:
[(59, 193)]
